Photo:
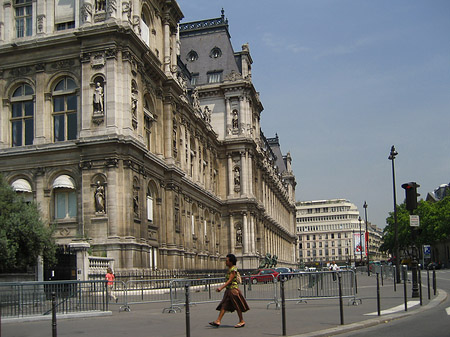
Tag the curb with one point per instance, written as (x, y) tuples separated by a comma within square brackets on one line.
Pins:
[(58, 317), (441, 297)]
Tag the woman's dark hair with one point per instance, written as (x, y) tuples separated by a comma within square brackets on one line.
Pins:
[(232, 259)]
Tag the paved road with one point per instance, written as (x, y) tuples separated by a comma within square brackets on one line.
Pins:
[(434, 322), (314, 318)]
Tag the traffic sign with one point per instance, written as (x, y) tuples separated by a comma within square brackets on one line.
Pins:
[(414, 221), (426, 251)]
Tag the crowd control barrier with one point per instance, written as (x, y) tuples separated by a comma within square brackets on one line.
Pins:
[(304, 286), (21, 299)]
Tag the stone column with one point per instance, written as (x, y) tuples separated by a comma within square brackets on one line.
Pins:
[(228, 122), (230, 176), (245, 233), (167, 47), (250, 175), (232, 234), (244, 175), (253, 238), (168, 130), (242, 117)]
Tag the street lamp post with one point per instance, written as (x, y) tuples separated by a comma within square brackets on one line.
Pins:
[(367, 238), (391, 157), (360, 240)]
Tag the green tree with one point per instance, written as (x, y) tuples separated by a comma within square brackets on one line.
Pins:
[(23, 235), (434, 225)]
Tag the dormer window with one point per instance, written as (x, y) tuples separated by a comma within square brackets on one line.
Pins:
[(192, 56), (215, 53)]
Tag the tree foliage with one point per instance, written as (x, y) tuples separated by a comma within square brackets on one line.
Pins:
[(23, 235), (434, 225)]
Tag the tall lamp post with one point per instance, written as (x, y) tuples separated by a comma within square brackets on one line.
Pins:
[(366, 238), (360, 240), (396, 252)]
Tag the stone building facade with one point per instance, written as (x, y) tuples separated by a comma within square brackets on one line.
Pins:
[(333, 230), (101, 126)]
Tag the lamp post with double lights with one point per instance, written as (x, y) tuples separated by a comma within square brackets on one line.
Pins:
[(366, 237), (391, 157)]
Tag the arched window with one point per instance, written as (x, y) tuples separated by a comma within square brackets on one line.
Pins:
[(23, 187), (65, 197), (22, 116), (65, 108), (23, 17)]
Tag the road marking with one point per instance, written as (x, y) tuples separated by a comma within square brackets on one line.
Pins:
[(448, 311), (398, 308)]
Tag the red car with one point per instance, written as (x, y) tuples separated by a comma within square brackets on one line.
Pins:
[(262, 275)]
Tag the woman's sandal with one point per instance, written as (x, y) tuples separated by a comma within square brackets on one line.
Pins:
[(239, 325), (214, 324)]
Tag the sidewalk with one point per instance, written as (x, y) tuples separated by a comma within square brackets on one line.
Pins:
[(314, 318)]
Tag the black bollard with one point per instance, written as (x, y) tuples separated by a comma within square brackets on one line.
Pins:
[(405, 276), (54, 334), (283, 307), (428, 281), (420, 286), (382, 282), (341, 306), (395, 278), (378, 296), (356, 284), (434, 281), (0, 320), (188, 313)]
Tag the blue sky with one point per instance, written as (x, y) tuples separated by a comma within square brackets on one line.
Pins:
[(341, 82)]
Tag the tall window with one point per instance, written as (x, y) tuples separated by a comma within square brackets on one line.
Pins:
[(23, 17), (149, 206), (65, 110), (22, 113), (65, 197)]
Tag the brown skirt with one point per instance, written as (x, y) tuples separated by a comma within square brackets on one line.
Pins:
[(232, 300)]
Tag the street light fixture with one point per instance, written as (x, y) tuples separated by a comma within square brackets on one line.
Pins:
[(391, 157), (366, 238)]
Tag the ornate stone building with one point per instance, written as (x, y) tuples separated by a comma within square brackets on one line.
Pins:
[(103, 125)]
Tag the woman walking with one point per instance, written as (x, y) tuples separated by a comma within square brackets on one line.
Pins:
[(233, 298)]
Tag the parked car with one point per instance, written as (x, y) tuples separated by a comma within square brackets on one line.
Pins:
[(435, 265), (262, 275), (284, 270)]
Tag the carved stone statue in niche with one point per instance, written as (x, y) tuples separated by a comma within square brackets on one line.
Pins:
[(98, 98), (86, 12), (237, 176), (136, 205), (99, 197), (100, 5), (235, 120), (238, 236)]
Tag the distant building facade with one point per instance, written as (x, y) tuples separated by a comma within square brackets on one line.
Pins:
[(103, 125), (330, 230)]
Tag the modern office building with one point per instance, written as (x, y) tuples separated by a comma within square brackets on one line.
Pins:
[(138, 145), (329, 230)]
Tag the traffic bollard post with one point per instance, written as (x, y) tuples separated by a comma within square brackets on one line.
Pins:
[(54, 333), (188, 313), (378, 295)]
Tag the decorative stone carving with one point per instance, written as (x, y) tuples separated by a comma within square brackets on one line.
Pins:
[(100, 199), (86, 12), (126, 11), (112, 8), (237, 178), (98, 98), (235, 120), (238, 235), (40, 23)]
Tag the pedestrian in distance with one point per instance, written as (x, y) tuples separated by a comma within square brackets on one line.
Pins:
[(110, 283), (232, 299), (334, 267)]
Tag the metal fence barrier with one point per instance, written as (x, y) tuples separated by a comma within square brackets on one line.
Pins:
[(20, 299), (306, 286)]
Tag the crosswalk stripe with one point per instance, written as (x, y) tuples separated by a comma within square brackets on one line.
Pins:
[(400, 307)]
